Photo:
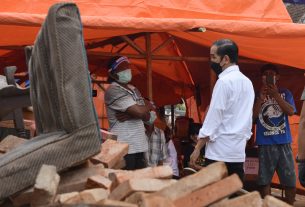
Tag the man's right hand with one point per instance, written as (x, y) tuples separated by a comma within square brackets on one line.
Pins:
[(194, 157)]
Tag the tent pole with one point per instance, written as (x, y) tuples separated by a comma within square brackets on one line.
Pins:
[(149, 65), (173, 118)]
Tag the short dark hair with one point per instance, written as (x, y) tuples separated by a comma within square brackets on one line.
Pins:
[(269, 66), (227, 47)]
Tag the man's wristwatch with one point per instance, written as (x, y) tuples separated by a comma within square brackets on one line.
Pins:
[(299, 160)]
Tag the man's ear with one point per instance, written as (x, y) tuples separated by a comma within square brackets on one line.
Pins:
[(225, 60)]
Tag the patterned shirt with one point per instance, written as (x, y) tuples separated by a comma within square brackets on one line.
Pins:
[(132, 132), (157, 148)]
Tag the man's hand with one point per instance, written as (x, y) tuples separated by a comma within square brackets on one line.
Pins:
[(272, 90), (194, 157), (150, 105), (123, 116)]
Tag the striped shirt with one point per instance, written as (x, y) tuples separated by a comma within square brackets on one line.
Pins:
[(132, 132), (157, 148)]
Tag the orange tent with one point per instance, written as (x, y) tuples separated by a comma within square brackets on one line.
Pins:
[(262, 29)]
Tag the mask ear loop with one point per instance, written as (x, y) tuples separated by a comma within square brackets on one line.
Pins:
[(221, 61)]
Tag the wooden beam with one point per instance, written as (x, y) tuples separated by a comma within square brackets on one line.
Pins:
[(12, 47), (162, 45), (180, 58), (149, 66), (112, 41), (164, 57), (153, 57), (132, 44), (109, 54), (122, 48)]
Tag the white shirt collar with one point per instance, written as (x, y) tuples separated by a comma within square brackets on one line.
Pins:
[(228, 70)]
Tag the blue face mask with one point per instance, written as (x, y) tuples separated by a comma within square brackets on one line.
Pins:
[(124, 76)]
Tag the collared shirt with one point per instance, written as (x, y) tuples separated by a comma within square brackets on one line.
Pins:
[(132, 132), (157, 148), (228, 122), (303, 95)]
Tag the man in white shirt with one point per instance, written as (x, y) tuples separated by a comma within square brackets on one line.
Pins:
[(228, 123)]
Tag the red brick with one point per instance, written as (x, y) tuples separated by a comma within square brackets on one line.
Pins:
[(186, 185), (211, 193), (45, 187), (252, 199), (98, 181), (151, 172), (138, 184), (270, 201), (111, 153)]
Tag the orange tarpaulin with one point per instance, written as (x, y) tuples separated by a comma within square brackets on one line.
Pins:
[(262, 29)]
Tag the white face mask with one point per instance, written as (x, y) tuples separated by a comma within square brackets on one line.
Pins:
[(124, 76), (153, 117)]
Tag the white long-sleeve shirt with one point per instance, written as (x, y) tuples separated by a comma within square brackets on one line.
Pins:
[(228, 122)]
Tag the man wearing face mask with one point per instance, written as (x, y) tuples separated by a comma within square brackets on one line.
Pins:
[(126, 111), (272, 107), (228, 122)]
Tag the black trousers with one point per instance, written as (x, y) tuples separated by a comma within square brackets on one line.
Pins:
[(233, 167), (135, 161)]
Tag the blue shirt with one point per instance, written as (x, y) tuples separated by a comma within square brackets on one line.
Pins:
[(272, 126)]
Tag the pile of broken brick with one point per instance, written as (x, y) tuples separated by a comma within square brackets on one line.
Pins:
[(102, 182)]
